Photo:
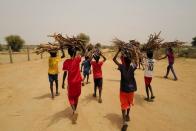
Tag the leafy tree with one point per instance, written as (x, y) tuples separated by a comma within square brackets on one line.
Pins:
[(98, 45), (15, 42), (194, 41), (84, 37), (1, 47)]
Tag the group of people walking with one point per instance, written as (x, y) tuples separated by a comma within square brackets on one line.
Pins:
[(73, 67)]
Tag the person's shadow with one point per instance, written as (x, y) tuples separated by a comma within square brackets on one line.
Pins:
[(115, 119), (139, 99), (161, 77), (48, 95), (64, 114), (87, 99), (113, 80)]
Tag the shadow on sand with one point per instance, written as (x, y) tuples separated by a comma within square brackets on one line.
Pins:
[(48, 95), (161, 77), (113, 80), (64, 114), (139, 99), (87, 99), (115, 119)]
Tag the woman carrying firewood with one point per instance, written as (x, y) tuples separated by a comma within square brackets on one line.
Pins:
[(170, 56), (127, 88), (72, 66)]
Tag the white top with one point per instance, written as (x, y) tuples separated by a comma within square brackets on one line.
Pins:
[(149, 66)]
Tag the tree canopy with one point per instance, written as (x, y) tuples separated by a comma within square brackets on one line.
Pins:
[(84, 37), (194, 41), (15, 42)]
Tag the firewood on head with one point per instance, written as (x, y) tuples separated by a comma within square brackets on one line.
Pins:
[(127, 49), (174, 44), (153, 43), (89, 50), (61, 43)]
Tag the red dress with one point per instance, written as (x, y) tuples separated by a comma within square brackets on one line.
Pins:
[(72, 66)]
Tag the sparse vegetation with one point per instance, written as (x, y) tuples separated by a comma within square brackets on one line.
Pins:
[(15, 42), (84, 37), (1, 48), (98, 45), (194, 41), (189, 52)]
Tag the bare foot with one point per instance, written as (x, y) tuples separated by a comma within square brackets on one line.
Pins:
[(148, 100), (127, 118), (124, 127), (63, 86), (52, 97), (100, 100), (74, 118), (152, 97), (165, 77), (57, 94), (94, 95)]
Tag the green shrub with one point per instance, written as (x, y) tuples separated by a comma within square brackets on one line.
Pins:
[(1, 47), (15, 42), (188, 52)]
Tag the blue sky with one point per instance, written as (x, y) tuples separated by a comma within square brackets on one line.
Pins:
[(102, 20)]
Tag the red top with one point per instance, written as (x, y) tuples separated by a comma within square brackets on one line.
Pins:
[(73, 67), (170, 56), (97, 71)]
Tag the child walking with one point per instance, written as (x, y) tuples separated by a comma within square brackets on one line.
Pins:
[(97, 74), (53, 70), (86, 69), (148, 73), (72, 66), (170, 56), (127, 87)]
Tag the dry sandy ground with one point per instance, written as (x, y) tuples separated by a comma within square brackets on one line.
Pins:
[(19, 57), (25, 103)]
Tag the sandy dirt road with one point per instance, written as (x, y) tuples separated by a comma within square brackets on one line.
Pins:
[(25, 103)]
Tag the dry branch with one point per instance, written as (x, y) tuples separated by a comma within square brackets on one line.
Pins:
[(174, 44), (61, 43), (127, 49), (154, 42)]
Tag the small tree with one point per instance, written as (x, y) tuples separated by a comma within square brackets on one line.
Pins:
[(194, 41), (84, 37), (15, 42), (1, 47), (98, 45)]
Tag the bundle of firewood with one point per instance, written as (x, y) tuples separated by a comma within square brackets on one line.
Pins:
[(61, 43), (135, 43), (93, 50), (47, 48), (154, 42), (127, 49), (174, 44), (89, 50)]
